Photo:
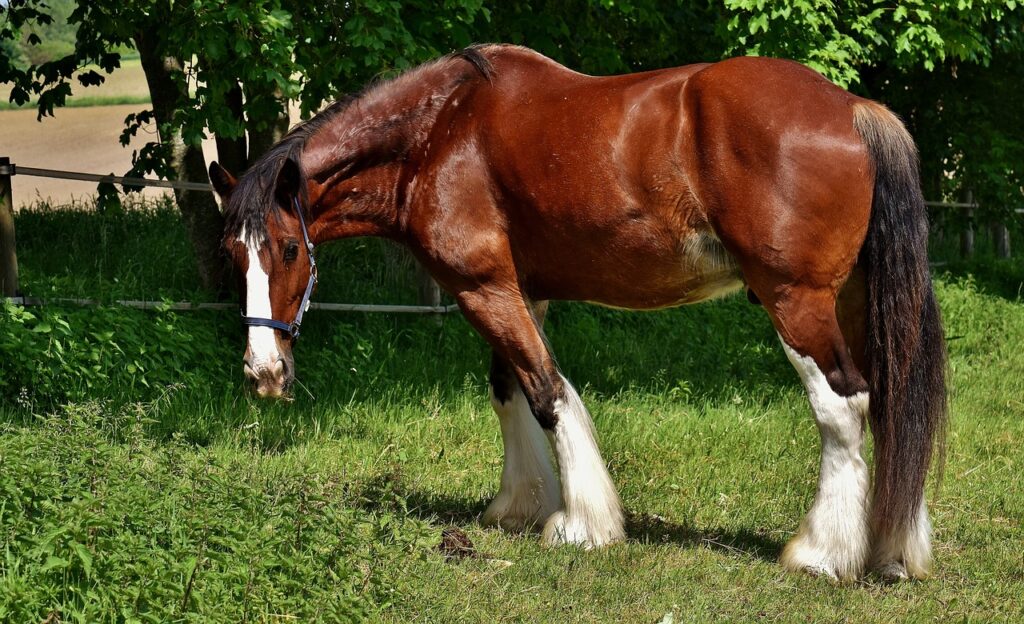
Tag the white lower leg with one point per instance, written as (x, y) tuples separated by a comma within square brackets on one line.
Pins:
[(907, 553), (833, 536), (591, 513), (530, 490)]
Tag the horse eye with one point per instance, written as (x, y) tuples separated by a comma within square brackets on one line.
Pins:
[(291, 251)]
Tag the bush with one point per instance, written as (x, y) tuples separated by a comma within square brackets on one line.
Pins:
[(51, 355)]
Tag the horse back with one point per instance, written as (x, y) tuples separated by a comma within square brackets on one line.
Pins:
[(639, 190)]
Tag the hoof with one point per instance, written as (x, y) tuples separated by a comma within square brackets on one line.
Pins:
[(892, 572), (802, 556), (564, 529), (517, 514)]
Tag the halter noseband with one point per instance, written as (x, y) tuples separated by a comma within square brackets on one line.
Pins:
[(292, 329)]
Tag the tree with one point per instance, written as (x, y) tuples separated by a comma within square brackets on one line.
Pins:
[(227, 68), (230, 67)]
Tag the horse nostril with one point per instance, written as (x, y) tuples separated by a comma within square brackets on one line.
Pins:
[(279, 367), (247, 367)]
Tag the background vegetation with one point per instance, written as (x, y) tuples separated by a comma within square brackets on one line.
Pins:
[(951, 68), (139, 482)]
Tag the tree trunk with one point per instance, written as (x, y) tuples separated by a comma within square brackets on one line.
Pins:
[(263, 135), (203, 220), (233, 153)]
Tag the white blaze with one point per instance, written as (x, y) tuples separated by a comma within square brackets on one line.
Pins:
[(262, 344)]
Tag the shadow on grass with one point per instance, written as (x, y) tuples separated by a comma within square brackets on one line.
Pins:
[(385, 493), (655, 530)]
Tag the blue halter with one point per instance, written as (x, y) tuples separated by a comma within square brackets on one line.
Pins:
[(292, 329)]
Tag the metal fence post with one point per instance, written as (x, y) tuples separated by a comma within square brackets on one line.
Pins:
[(429, 291), (8, 255)]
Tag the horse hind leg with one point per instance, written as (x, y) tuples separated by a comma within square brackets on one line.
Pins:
[(833, 538), (904, 551), (530, 491)]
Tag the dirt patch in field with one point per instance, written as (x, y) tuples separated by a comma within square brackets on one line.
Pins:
[(76, 139)]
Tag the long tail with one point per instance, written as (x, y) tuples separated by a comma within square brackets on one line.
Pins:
[(906, 351)]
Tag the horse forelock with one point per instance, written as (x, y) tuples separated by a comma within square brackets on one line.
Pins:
[(252, 200)]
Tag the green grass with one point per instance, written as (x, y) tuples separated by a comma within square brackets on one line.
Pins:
[(334, 504)]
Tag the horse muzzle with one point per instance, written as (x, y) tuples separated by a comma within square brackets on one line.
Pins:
[(273, 380)]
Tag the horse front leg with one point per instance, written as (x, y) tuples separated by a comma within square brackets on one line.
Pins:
[(530, 492), (589, 512)]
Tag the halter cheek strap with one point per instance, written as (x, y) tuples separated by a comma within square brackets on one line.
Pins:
[(292, 329)]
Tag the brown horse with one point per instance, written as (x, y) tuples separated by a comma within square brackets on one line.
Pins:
[(515, 181)]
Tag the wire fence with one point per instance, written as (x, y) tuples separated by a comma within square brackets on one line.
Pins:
[(9, 261), (430, 292)]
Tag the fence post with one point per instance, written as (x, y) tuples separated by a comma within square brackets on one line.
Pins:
[(1001, 239), (429, 291), (967, 235), (8, 255)]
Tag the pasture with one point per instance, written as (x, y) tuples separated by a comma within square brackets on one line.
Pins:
[(141, 482)]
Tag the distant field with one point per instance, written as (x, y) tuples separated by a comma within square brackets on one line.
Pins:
[(81, 138), (127, 85), (75, 139)]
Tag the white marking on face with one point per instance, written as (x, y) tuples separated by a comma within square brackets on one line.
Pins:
[(591, 513), (262, 342), (833, 537)]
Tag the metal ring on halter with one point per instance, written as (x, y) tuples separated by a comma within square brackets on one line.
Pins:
[(292, 329)]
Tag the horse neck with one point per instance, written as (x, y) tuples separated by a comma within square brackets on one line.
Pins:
[(366, 148)]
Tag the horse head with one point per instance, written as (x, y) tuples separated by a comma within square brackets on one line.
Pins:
[(273, 259)]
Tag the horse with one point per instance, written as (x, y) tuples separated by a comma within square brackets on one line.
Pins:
[(516, 181)]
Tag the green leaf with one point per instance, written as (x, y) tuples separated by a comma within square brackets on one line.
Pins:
[(84, 556), (54, 562)]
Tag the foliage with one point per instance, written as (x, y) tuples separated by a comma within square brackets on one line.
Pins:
[(79, 353), (102, 524), (840, 38)]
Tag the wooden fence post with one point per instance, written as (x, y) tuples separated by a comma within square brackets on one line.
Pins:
[(430, 292), (967, 235), (8, 256), (1001, 239)]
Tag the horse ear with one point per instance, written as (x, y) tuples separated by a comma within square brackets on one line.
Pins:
[(288, 181), (223, 182)]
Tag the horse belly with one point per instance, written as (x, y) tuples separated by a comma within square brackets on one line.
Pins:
[(691, 269)]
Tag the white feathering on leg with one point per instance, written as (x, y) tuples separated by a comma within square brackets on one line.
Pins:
[(591, 513), (833, 536), (906, 555), (530, 490)]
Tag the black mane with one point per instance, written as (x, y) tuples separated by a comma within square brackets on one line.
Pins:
[(252, 199)]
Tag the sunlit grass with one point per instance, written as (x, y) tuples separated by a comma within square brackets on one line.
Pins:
[(702, 421)]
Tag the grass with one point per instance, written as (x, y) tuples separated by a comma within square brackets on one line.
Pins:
[(191, 501)]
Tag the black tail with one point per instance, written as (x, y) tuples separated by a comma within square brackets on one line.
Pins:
[(905, 348)]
